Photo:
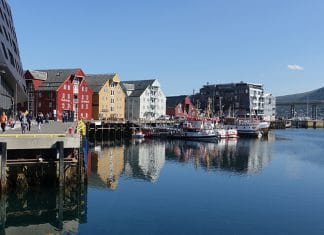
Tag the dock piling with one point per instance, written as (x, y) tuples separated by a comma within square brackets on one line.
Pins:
[(60, 156), (3, 168)]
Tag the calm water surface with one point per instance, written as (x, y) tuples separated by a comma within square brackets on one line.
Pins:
[(248, 186)]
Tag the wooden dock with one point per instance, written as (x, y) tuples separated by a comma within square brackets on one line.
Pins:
[(56, 146)]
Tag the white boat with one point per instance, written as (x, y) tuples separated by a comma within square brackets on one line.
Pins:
[(251, 128), (138, 135), (226, 132), (197, 130)]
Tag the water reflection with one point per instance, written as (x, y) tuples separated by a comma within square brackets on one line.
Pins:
[(240, 156), (106, 163), (145, 159), (44, 211)]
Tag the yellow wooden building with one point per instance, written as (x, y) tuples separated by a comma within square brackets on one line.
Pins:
[(108, 100)]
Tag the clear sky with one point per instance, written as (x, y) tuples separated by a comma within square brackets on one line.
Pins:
[(184, 44)]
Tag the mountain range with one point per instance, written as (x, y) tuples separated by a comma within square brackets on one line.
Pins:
[(315, 95)]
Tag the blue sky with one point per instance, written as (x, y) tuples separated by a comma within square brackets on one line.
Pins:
[(184, 44)]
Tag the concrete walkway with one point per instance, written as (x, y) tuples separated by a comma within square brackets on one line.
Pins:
[(46, 138), (52, 127)]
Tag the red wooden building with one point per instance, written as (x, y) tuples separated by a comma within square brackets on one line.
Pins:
[(59, 91), (180, 106)]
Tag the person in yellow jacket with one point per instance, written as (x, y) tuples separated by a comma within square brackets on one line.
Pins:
[(82, 128)]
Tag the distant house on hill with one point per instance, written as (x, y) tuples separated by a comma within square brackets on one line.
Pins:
[(144, 99), (59, 91), (180, 106), (108, 100)]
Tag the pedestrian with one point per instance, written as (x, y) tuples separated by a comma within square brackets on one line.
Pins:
[(39, 120), (29, 119), (46, 117), (24, 123), (3, 120)]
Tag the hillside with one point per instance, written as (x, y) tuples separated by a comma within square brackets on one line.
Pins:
[(314, 95)]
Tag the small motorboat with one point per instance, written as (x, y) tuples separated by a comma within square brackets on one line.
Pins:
[(138, 135)]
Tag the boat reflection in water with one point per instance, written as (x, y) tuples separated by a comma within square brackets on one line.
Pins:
[(240, 156)]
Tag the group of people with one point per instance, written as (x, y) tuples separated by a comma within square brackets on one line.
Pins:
[(25, 119)]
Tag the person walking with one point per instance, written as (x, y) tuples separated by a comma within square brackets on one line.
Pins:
[(39, 120), (29, 119), (24, 123), (3, 120)]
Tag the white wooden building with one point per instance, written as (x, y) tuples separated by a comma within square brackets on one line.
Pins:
[(144, 100)]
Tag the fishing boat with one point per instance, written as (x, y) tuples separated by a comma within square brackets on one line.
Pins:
[(197, 130), (251, 128), (225, 132)]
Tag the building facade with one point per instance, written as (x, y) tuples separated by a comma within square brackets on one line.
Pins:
[(233, 99), (145, 100), (108, 100), (12, 81), (269, 107), (180, 106), (58, 92)]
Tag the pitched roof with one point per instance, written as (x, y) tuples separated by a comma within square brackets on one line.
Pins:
[(173, 101), (55, 77), (138, 86), (39, 75), (97, 81)]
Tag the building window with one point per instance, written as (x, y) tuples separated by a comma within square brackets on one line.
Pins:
[(63, 96), (112, 108), (40, 95), (64, 87), (68, 96), (86, 105), (39, 104), (112, 92), (87, 97), (112, 101), (4, 50), (86, 89), (81, 106), (50, 104), (68, 87), (63, 106), (86, 115)]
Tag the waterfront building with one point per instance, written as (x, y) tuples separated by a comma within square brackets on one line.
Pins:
[(59, 91), (233, 99), (180, 106), (145, 100), (108, 100), (12, 81), (269, 107)]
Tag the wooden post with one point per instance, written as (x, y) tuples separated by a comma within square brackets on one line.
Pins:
[(60, 156), (3, 161)]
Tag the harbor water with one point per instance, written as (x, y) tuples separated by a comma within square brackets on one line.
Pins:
[(244, 186)]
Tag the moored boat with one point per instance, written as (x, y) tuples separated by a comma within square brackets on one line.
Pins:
[(138, 135), (197, 130)]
